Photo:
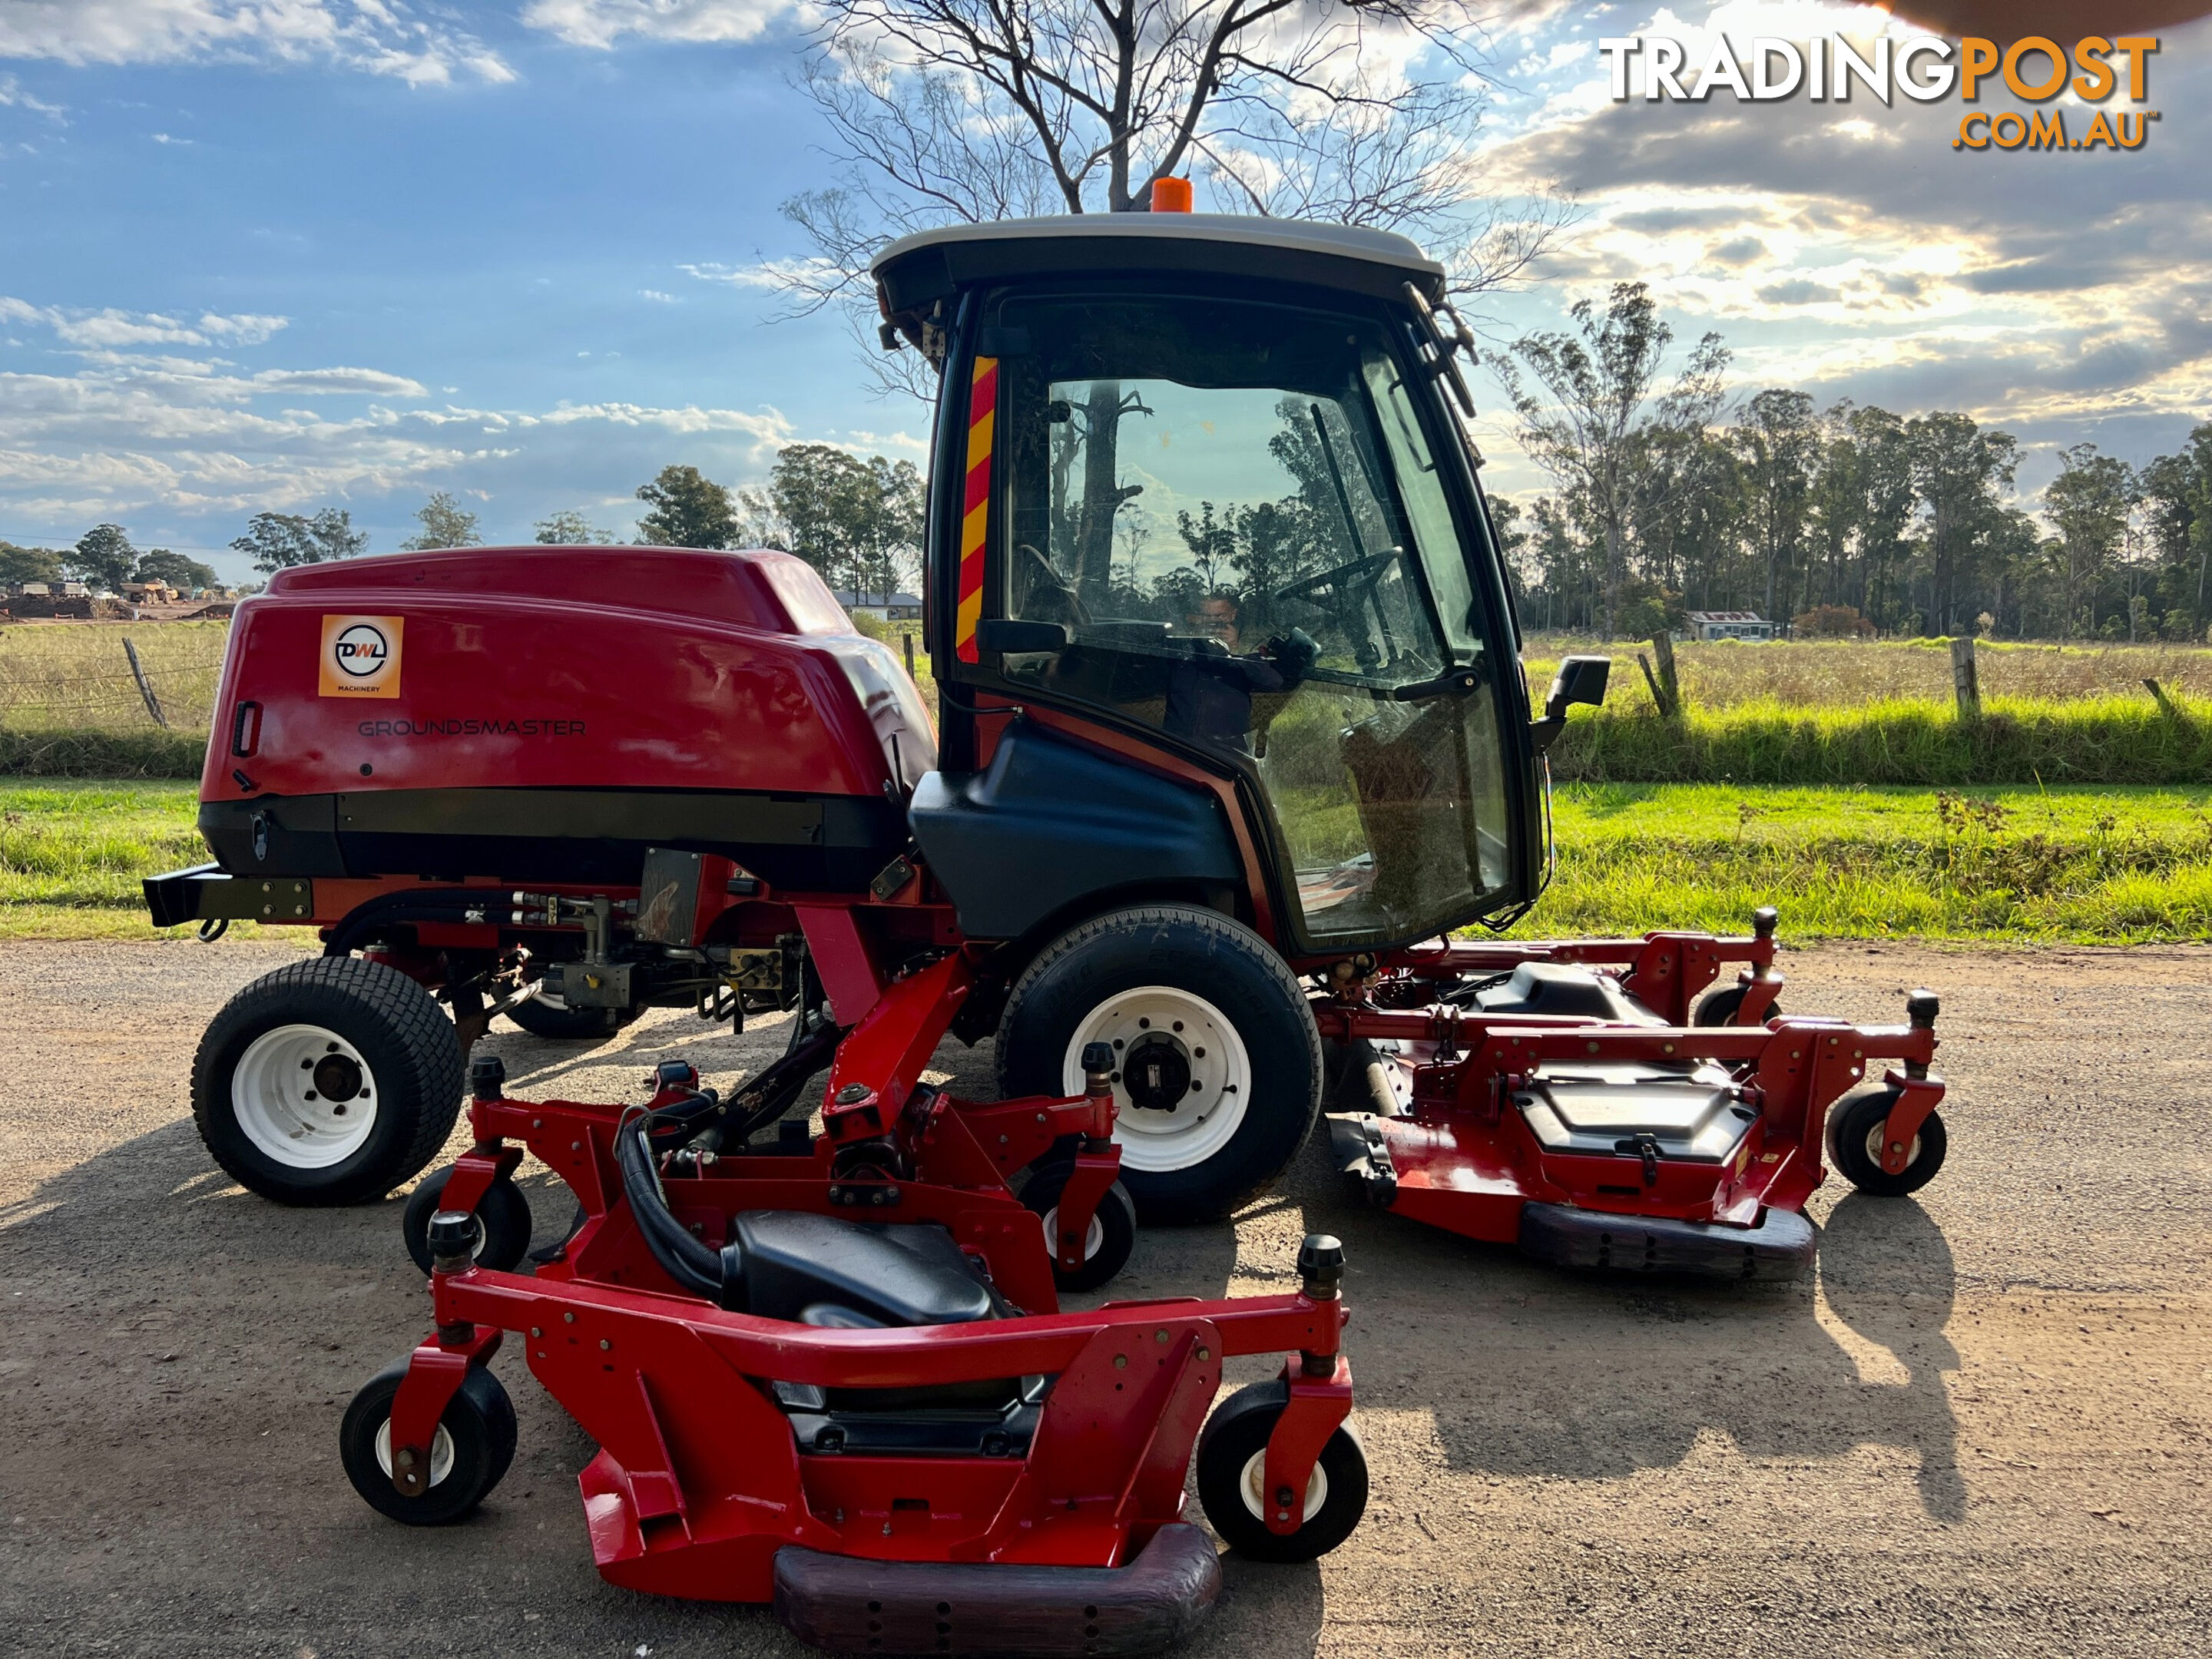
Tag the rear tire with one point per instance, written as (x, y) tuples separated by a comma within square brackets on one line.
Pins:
[(1854, 1138), (549, 1018), (474, 1446), (1232, 1061), (332, 1081), (1231, 1451)]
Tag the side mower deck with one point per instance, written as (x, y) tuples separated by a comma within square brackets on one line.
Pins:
[(1608, 1135)]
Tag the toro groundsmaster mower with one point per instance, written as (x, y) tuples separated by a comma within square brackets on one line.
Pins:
[(1233, 731)]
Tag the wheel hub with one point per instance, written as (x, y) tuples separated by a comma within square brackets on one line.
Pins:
[(337, 1077), (304, 1096), (1156, 1071), (1183, 1078), (1252, 1487)]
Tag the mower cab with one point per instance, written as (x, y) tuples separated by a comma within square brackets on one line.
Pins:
[(1203, 501)]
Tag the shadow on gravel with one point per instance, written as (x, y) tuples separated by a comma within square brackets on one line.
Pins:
[(1535, 1371)]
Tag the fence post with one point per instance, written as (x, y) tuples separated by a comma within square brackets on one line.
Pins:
[(145, 689), (1965, 683), (2164, 703), (1663, 653), (907, 639)]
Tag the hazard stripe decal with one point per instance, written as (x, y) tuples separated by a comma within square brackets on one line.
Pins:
[(976, 506)]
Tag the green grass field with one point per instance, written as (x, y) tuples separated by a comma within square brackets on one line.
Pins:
[(2096, 865)]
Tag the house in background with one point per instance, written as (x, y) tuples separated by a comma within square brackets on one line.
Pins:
[(883, 607), (1727, 625)]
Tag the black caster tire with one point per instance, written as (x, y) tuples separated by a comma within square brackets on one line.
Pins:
[(1854, 1141), (502, 1217), (475, 1444), (549, 1018), (1718, 1006), (332, 1081), (1232, 1062), (1231, 1453), (1113, 1232)]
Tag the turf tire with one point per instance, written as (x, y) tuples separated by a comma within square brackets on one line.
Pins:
[(558, 1023), (411, 1048)]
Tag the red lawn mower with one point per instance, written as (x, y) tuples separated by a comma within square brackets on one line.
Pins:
[(1233, 729)]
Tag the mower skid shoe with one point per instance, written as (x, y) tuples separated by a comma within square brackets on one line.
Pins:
[(848, 1605), (1360, 1153), (1778, 1249)]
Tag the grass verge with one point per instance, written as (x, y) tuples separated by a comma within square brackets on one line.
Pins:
[(2083, 865), (2090, 740), (2090, 865)]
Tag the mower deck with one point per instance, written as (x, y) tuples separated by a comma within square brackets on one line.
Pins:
[(1553, 1108)]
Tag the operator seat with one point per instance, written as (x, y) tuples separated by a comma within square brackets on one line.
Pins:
[(818, 1270)]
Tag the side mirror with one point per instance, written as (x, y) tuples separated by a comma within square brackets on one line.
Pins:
[(1004, 633), (1580, 679)]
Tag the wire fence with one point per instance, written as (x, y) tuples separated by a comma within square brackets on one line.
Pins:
[(110, 678)]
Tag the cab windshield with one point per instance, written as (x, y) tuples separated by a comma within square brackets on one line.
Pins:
[(1233, 510)]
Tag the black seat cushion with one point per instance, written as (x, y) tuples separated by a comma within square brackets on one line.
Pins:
[(818, 1270), (1565, 987)]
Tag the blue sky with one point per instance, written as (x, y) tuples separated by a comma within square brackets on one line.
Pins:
[(303, 252)]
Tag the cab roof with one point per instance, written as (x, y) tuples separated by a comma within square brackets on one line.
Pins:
[(916, 271)]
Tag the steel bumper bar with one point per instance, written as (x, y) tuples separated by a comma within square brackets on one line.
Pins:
[(848, 1605)]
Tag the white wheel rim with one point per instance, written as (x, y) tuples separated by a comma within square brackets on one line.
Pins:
[(1876, 1145), (1253, 1485), (1153, 1141), (442, 1453), (1093, 1235), (288, 1118)]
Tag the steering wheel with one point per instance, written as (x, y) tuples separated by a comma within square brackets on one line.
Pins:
[(1348, 576)]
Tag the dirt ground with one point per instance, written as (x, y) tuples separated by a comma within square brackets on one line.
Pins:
[(1982, 1430)]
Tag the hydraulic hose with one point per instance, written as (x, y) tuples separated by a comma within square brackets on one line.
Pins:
[(681, 1256)]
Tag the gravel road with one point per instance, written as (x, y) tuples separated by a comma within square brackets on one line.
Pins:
[(1983, 1429)]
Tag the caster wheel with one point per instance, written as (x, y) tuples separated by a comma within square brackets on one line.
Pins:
[(503, 1234), (1113, 1232), (475, 1443), (1854, 1138), (1231, 1462), (1718, 1007), (329, 1082)]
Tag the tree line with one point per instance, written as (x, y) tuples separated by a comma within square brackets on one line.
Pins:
[(103, 559), (1844, 519), (858, 522)]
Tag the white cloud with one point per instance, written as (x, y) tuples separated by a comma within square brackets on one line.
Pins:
[(773, 275), (135, 424), (600, 23), (112, 330), (417, 45), (657, 296), (12, 96)]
